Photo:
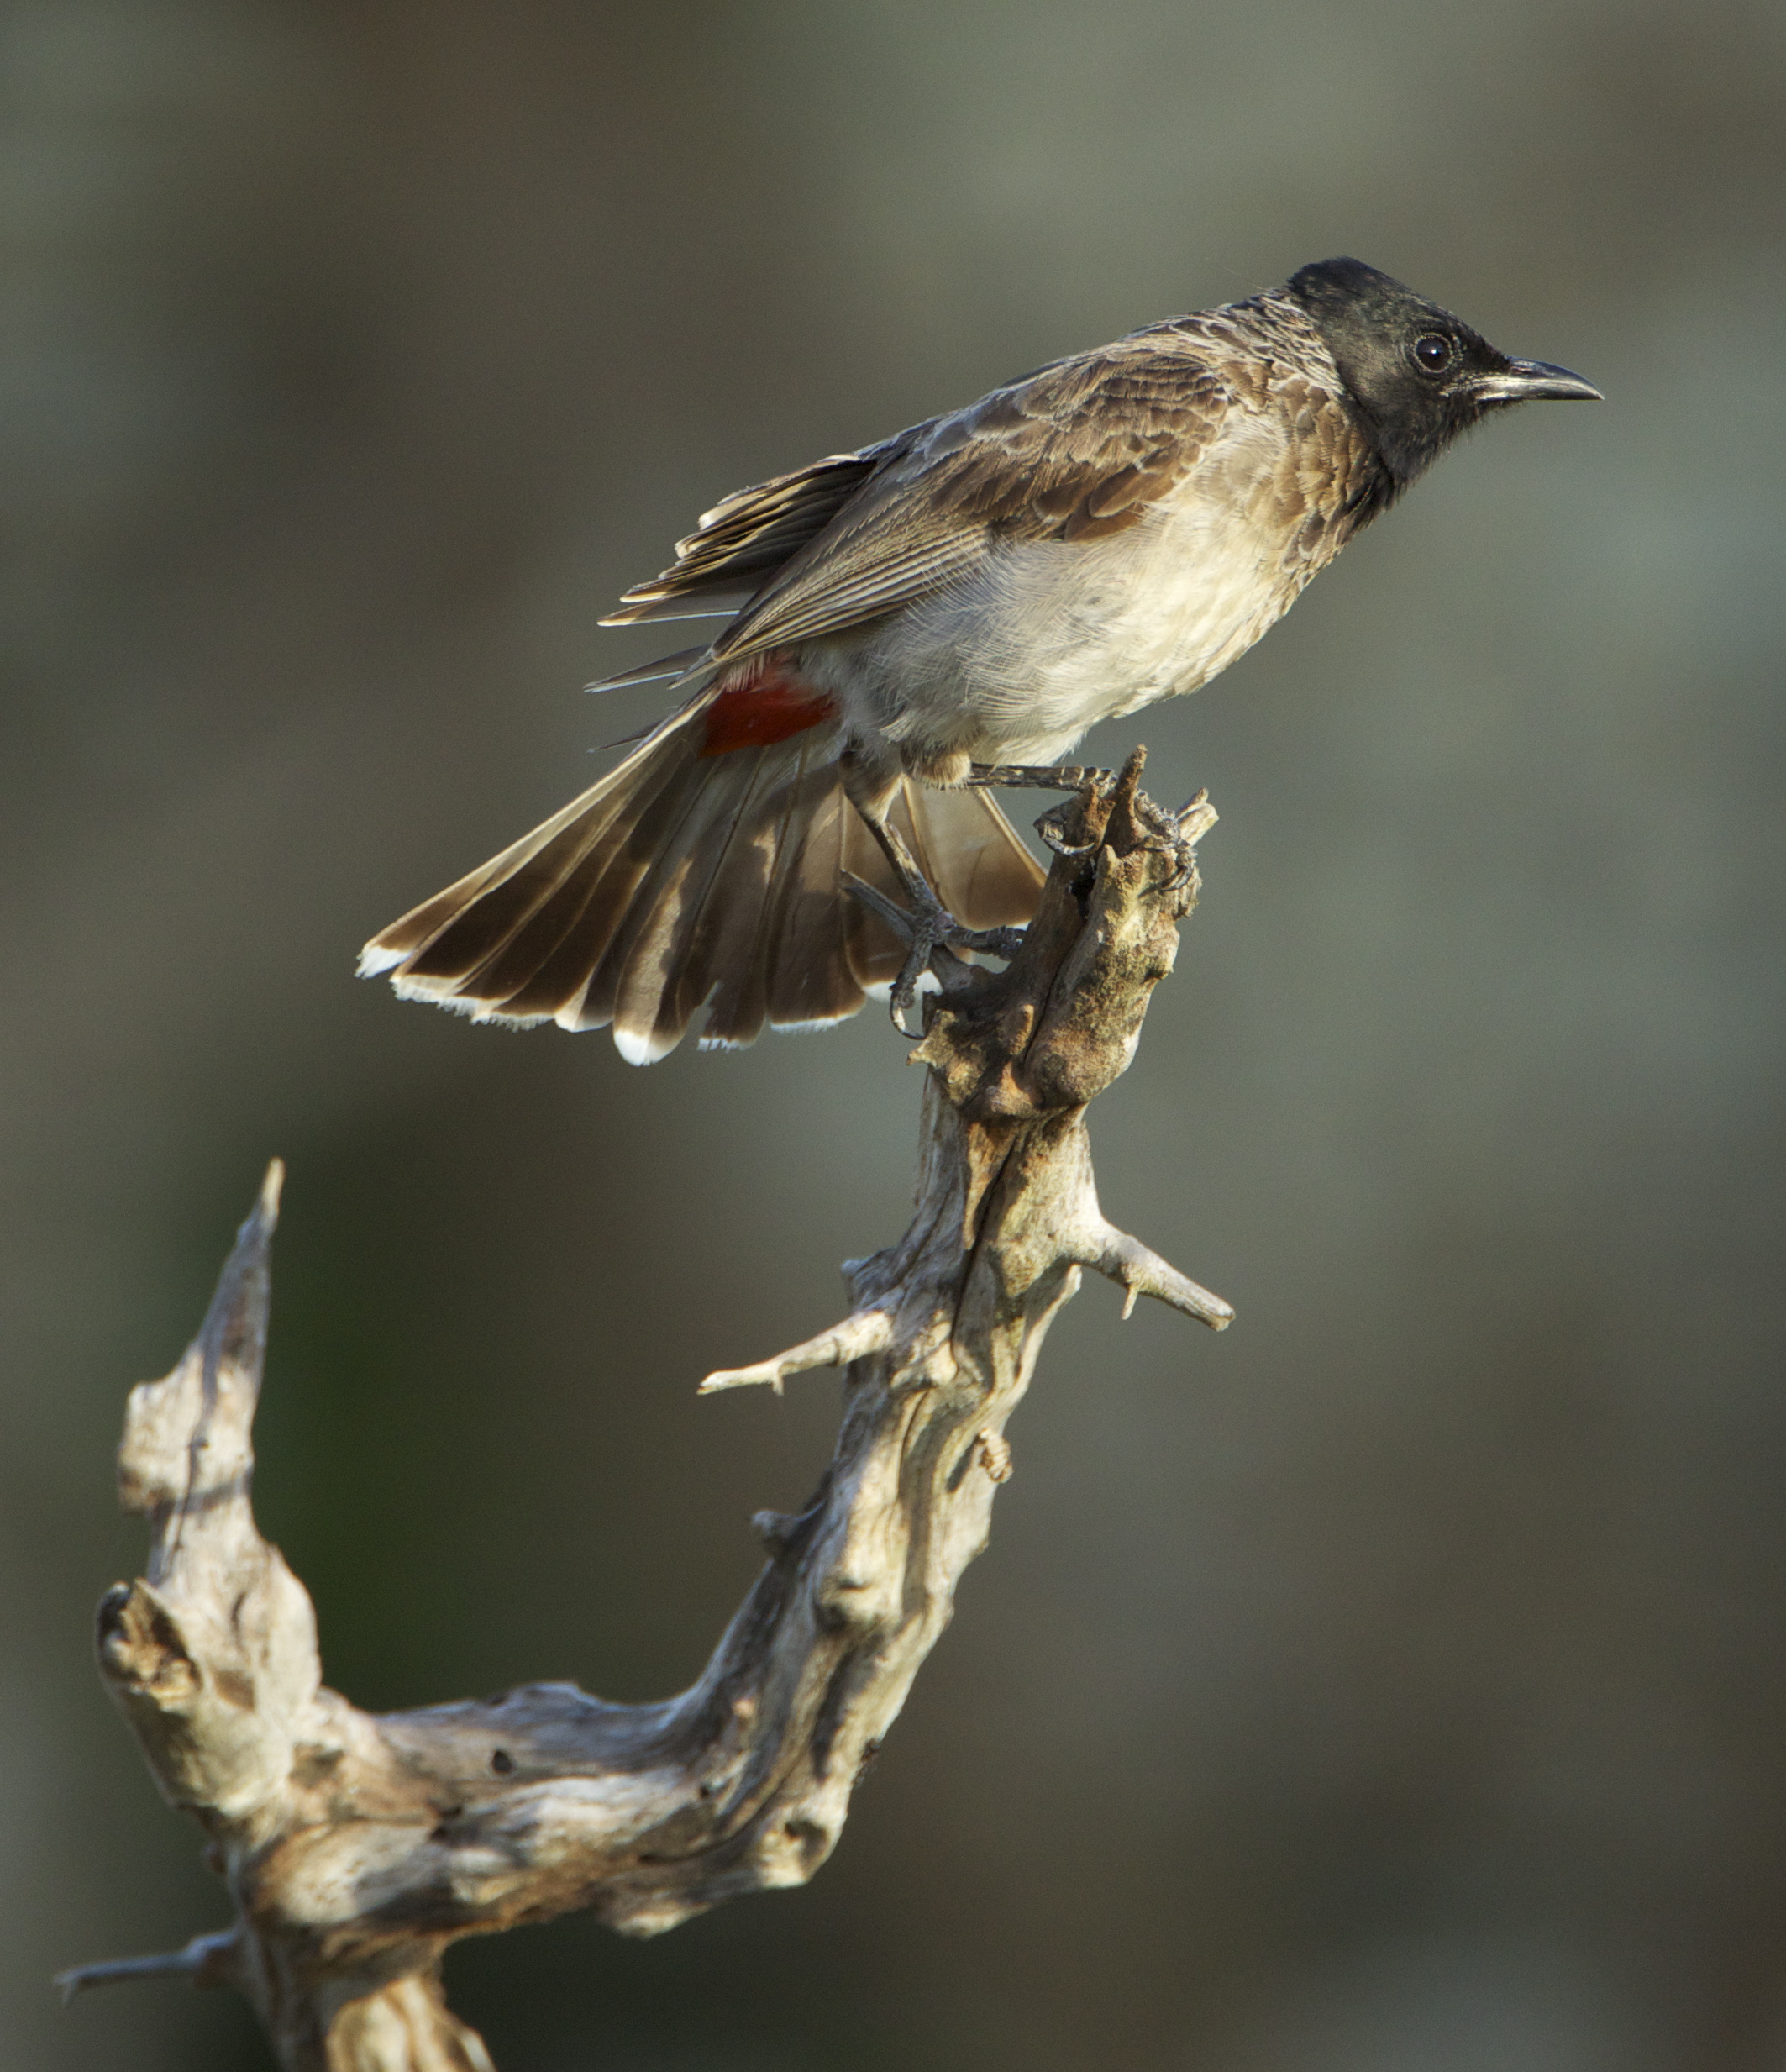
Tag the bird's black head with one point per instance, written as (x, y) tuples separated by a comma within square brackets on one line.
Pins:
[(1417, 376)]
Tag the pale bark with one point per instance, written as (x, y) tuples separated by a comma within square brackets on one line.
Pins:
[(357, 1846)]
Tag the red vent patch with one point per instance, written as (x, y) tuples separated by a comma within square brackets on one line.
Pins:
[(767, 705)]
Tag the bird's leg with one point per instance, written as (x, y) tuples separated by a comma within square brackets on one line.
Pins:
[(1037, 777), (1080, 777), (1176, 832), (930, 924)]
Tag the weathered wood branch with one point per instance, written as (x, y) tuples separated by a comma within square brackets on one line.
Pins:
[(357, 1847)]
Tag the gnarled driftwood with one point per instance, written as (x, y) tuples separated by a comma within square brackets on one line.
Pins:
[(357, 1846)]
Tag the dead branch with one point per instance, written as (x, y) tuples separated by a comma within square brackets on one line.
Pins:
[(357, 1846)]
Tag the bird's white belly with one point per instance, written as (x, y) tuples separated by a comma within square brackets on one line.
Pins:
[(1047, 638)]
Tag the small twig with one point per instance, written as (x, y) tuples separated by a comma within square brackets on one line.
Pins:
[(868, 1331), (1139, 1271), (206, 1960)]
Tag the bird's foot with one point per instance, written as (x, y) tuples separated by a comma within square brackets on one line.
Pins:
[(1064, 828), (1177, 833), (1055, 825), (1059, 825), (927, 925)]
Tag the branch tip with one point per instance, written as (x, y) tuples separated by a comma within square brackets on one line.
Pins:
[(868, 1331), (266, 1209), (1137, 1270), (205, 1960), (255, 1234), (1196, 818)]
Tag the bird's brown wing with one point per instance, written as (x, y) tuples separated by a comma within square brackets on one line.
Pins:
[(751, 534), (1078, 451)]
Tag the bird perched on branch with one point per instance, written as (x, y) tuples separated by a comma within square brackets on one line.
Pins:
[(948, 610)]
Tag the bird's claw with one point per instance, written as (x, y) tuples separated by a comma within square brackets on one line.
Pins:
[(936, 928), (928, 927), (1052, 827), (1176, 834), (926, 941)]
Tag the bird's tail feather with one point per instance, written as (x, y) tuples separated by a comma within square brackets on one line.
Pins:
[(680, 880)]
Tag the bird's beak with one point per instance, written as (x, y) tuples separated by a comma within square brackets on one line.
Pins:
[(1530, 381)]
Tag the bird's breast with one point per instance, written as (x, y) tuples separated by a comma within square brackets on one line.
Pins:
[(1041, 638)]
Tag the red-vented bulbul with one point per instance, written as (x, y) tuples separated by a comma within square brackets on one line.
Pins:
[(906, 623)]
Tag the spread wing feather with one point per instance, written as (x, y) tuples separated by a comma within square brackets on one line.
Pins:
[(748, 535), (1076, 451)]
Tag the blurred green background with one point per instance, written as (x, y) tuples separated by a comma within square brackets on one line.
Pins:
[(1394, 1684)]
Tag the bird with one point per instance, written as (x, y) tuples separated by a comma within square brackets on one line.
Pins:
[(912, 625)]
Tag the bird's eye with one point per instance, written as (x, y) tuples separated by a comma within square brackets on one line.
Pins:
[(1433, 352)]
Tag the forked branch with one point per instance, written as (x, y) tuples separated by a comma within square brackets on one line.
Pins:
[(357, 1846)]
